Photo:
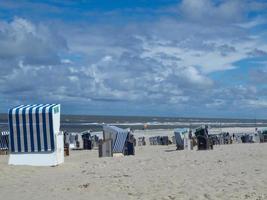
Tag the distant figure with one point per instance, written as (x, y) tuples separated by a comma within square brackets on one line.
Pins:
[(234, 138), (145, 126), (190, 135)]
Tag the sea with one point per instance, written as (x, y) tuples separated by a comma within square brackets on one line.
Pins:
[(80, 123)]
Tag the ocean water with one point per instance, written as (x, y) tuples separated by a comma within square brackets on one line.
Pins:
[(78, 123)]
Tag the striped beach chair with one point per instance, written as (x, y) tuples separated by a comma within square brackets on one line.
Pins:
[(35, 138), (182, 139), (120, 138)]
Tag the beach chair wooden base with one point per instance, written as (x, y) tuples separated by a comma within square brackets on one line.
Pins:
[(66, 151)]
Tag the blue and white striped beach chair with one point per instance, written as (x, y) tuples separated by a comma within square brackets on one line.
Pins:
[(118, 136), (35, 138)]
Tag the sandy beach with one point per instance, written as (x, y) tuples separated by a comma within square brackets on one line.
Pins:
[(236, 171)]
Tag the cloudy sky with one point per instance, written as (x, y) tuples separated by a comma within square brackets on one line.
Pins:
[(189, 58)]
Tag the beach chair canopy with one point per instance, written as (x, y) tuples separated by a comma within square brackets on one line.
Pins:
[(179, 134), (31, 128), (202, 131), (118, 136)]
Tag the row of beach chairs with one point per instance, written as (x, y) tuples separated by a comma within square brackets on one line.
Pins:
[(159, 140), (79, 141), (34, 137)]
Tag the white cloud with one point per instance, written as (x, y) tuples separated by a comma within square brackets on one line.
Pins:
[(34, 44), (194, 76), (253, 23), (210, 12), (217, 103), (66, 61), (107, 58), (259, 103)]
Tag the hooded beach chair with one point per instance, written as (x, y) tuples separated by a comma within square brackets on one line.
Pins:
[(35, 138), (151, 140), (164, 140), (203, 140), (120, 139), (95, 141), (4, 142), (263, 135), (179, 134), (87, 140), (141, 141), (155, 140)]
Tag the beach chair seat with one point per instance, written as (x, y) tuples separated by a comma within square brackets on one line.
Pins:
[(202, 142), (87, 144)]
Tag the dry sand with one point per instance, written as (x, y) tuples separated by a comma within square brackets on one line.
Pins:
[(235, 171)]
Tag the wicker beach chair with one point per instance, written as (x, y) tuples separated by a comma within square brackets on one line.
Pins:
[(4, 142), (204, 142), (122, 141), (141, 141)]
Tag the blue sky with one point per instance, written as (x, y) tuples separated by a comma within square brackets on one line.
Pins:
[(183, 58)]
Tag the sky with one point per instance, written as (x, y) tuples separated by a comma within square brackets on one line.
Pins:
[(186, 58)]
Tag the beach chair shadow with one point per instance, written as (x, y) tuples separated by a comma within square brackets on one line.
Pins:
[(169, 150)]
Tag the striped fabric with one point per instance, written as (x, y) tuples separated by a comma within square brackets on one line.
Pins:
[(120, 142), (31, 128), (118, 136), (179, 139), (4, 140)]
